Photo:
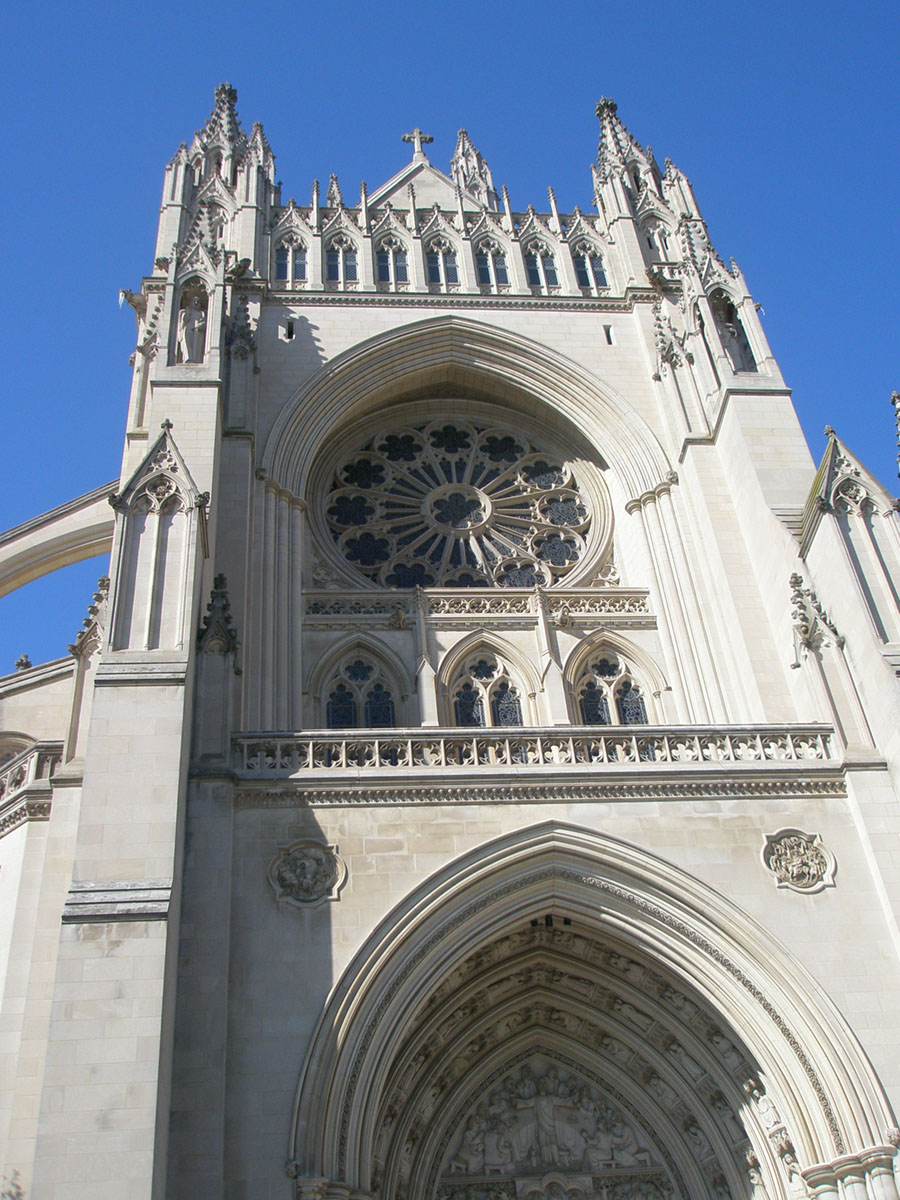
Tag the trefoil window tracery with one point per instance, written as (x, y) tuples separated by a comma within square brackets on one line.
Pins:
[(483, 695), (392, 262), (540, 267), (606, 694), (290, 261), (588, 264), (441, 264), (341, 262), (490, 266), (358, 696)]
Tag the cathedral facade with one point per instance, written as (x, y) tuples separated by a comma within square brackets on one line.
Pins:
[(477, 776)]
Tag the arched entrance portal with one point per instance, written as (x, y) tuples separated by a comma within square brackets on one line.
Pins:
[(559, 1014)]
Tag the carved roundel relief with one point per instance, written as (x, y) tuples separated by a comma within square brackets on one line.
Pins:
[(799, 861), (307, 873), (452, 503)]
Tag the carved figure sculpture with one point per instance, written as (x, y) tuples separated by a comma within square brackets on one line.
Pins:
[(192, 331)]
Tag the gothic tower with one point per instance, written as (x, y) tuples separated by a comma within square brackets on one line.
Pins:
[(477, 776)]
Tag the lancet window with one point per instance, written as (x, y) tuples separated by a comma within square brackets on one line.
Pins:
[(606, 693), (154, 554), (452, 504), (588, 264), (341, 261), (540, 267), (358, 696), (484, 695), (490, 266), (441, 265), (392, 262), (290, 261)]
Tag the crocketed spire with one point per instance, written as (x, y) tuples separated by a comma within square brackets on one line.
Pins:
[(617, 147), (223, 128)]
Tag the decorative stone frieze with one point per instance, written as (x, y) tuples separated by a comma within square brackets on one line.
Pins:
[(307, 873), (799, 861), (673, 790)]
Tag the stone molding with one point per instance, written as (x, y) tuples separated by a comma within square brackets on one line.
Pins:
[(113, 672), (793, 787), (117, 900), (432, 300), (796, 1050)]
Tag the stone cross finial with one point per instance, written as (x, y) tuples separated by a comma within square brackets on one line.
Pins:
[(417, 137)]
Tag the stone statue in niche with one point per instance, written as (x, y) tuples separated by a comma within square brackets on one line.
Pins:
[(538, 1120), (306, 873), (731, 333), (191, 344)]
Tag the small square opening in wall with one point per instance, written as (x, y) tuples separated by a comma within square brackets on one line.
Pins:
[(608, 334)]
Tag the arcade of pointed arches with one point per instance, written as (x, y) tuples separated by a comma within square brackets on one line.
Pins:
[(483, 681)]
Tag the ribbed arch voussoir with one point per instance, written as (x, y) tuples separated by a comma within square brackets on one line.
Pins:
[(787, 1029), (474, 357)]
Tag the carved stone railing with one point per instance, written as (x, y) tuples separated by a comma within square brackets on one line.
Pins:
[(25, 784), (280, 755)]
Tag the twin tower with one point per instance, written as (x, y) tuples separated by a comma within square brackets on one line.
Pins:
[(476, 777)]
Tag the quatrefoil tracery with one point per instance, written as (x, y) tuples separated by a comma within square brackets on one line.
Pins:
[(452, 504)]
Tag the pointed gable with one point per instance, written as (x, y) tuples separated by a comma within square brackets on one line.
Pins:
[(841, 482)]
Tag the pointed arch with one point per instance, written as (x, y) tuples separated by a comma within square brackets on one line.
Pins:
[(491, 643), (456, 351), (159, 522), (646, 666), (619, 954), (392, 668)]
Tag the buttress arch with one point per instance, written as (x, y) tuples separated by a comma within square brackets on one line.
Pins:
[(474, 358), (636, 982)]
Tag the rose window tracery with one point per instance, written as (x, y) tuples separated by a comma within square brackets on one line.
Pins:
[(453, 504)]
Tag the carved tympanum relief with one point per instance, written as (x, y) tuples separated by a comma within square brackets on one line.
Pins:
[(455, 504), (541, 1119), (307, 873), (799, 861)]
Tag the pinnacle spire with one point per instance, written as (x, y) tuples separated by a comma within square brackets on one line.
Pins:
[(223, 126), (471, 173), (617, 147)]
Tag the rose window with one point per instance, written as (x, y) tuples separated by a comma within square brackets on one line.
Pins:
[(454, 505)]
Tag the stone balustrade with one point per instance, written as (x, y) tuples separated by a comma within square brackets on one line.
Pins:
[(25, 784), (280, 755)]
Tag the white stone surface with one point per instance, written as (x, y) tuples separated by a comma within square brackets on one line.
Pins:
[(229, 939)]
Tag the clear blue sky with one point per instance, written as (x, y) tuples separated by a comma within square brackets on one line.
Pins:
[(784, 116)]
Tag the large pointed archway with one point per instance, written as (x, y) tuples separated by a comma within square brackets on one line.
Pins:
[(561, 1014)]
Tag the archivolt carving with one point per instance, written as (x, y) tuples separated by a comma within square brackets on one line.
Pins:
[(505, 960)]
